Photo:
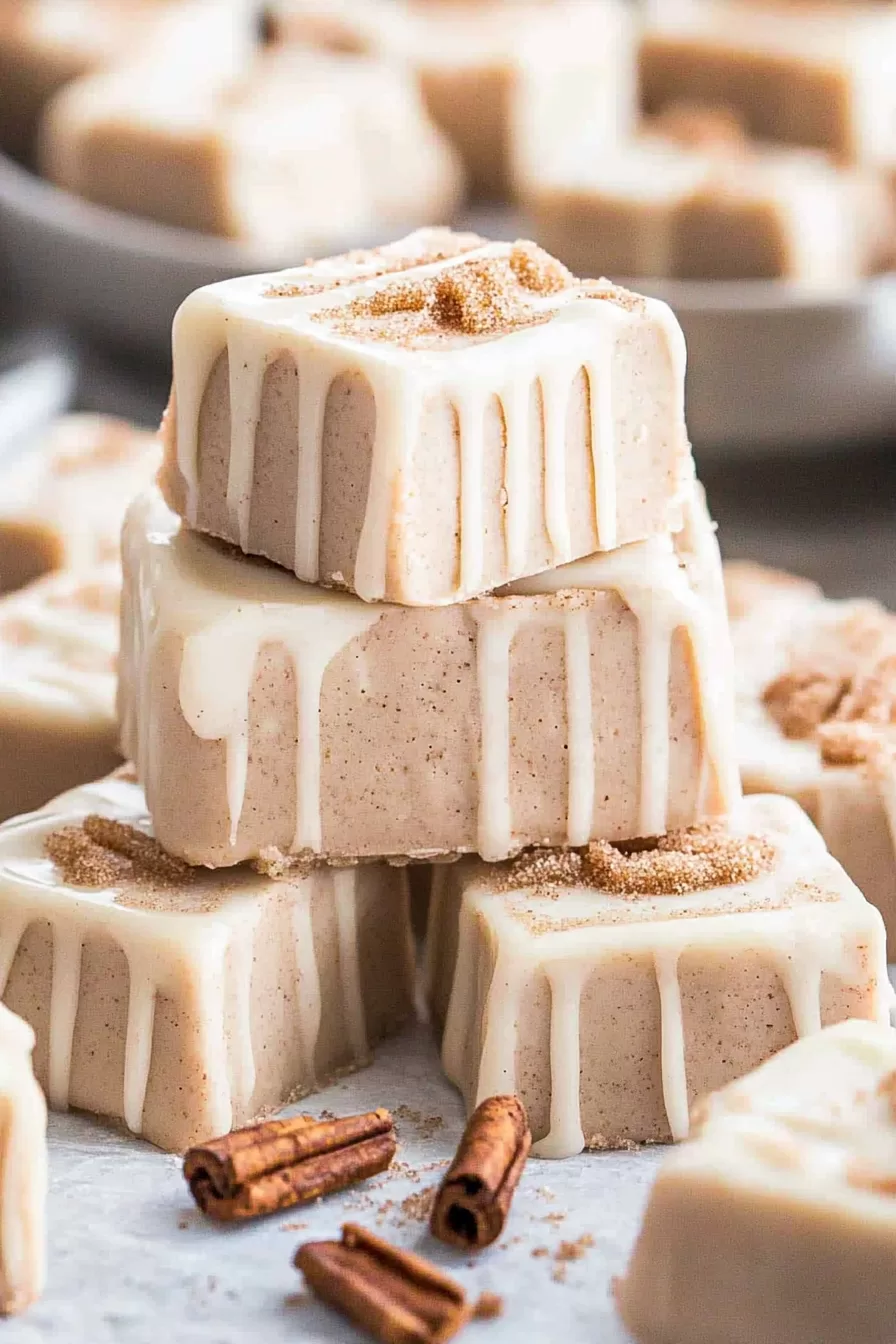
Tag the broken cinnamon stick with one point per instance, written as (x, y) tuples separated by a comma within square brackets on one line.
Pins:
[(473, 1201), (280, 1163), (396, 1296)]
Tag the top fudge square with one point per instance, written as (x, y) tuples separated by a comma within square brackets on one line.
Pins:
[(423, 422)]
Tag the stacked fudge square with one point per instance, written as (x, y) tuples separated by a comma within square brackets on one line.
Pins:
[(428, 580)]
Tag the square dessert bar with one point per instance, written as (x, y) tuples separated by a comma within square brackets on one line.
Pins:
[(238, 154), (588, 701), (777, 1221), (23, 1169), (428, 420), (816, 716), (693, 198), (181, 1001), (823, 75), (62, 502), (612, 988), (58, 659)]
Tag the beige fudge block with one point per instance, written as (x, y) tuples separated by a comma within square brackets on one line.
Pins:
[(507, 80), (46, 43), (611, 991), (820, 75), (58, 654), (425, 421), (816, 712), (292, 150), (181, 1001), (23, 1169), (777, 1222), (591, 700), (63, 501), (728, 210)]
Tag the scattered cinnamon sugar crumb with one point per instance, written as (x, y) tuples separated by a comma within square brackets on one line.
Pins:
[(477, 298), (426, 1125), (418, 1205), (489, 1306), (373, 263), (573, 1250), (599, 1143), (679, 863), (273, 863), (671, 865), (100, 852), (608, 292), (540, 1253), (537, 270), (802, 698)]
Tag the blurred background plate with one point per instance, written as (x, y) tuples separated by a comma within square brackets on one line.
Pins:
[(771, 367)]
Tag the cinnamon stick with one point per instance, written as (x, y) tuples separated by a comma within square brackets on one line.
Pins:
[(396, 1296), (280, 1163), (473, 1201)]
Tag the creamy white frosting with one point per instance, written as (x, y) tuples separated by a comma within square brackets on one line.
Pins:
[(804, 915)]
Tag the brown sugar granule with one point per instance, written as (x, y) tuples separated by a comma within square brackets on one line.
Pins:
[(479, 298), (573, 1250), (100, 852), (679, 863), (537, 270), (540, 868), (489, 1306)]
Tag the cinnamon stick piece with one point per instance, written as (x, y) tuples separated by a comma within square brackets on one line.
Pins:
[(396, 1296), (473, 1201), (281, 1163)]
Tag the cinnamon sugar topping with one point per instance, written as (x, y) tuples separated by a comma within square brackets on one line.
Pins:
[(537, 270), (101, 852), (479, 298), (373, 263), (676, 864)]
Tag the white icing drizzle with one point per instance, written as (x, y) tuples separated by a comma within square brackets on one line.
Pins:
[(213, 953), (345, 901), (23, 1169), (307, 984), (799, 939), (138, 1046), (456, 1036), (239, 315), (67, 947)]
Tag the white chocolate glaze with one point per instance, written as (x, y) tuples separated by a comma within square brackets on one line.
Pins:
[(23, 1169), (227, 611), (241, 317), (804, 916), (205, 931)]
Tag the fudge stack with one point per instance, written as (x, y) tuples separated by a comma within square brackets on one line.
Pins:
[(427, 581)]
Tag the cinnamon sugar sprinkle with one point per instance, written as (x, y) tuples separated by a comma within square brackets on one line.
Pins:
[(676, 864), (374, 263), (842, 693), (479, 297), (101, 852)]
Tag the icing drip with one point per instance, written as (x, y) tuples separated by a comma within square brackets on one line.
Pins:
[(345, 898), (307, 985), (241, 317), (582, 929), (63, 1011), (138, 1047)]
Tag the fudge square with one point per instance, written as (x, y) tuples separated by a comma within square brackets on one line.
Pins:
[(611, 988), (23, 1169), (693, 198), (816, 716), (428, 420), (777, 1221), (58, 656), (592, 700), (823, 75), (181, 1001), (63, 501)]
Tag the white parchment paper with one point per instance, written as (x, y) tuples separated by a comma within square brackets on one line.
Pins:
[(132, 1261)]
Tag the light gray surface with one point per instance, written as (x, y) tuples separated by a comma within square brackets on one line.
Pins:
[(132, 1261)]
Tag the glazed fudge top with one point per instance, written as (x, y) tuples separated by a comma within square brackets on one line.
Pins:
[(437, 312), (59, 645), (817, 1121), (764, 882)]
